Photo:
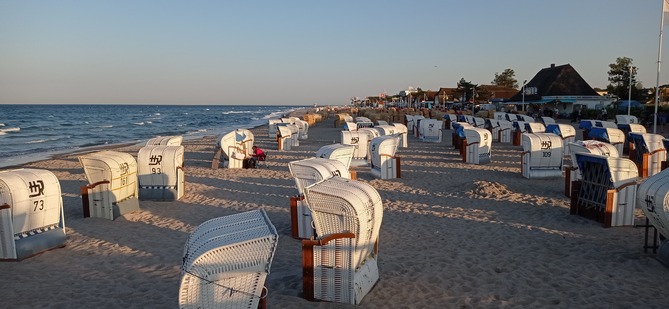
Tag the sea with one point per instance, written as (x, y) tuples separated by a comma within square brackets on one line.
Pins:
[(30, 132)]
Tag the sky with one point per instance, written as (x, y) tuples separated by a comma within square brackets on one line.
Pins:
[(307, 52)]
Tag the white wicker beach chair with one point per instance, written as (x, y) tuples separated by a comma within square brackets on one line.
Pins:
[(429, 130), (564, 131), (410, 123), (652, 198), (478, 145), (360, 140), (235, 146), (613, 136), (626, 119), (403, 132), (385, 129), (350, 126), (305, 173), (505, 133), (271, 128), (340, 265), (648, 152), (31, 213), (165, 141), (384, 163), (607, 191), (283, 138), (382, 123), (500, 116), (535, 127), (340, 152), (303, 127), (416, 122), (541, 156), (112, 184), (226, 261), (479, 122), (448, 120), (161, 173), (572, 172), (547, 120), (294, 134)]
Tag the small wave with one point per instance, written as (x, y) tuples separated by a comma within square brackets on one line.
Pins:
[(157, 114), (149, 122), (10, 130), (106, 126), (2, 124), (234, 112), (37, 141), (139, 123)]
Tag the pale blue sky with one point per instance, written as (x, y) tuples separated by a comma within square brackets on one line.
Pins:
[(306, 52)]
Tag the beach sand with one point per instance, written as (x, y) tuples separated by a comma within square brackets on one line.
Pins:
[(453, 235)]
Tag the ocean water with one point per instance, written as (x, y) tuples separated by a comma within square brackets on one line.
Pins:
[(33, 132)]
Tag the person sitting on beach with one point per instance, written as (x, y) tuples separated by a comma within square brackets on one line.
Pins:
[(257, 155)]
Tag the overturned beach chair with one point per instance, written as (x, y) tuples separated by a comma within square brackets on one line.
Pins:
[(429, 130), (340, 265), (165, 141), (305, 173), (572, 172), (226, 261), (234, 146), (340, 152), (31, 213), (112, 189), (478, 145), (541, 156), (613, 136), (564, 131), (283, 138), (648, 152), (402, 130), (607, 191), (384, 163), (161, 173), (360, 140)]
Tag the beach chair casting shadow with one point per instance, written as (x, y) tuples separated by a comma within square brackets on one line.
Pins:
[(161, 173), (226, 261), (572, 172), (542, 155)]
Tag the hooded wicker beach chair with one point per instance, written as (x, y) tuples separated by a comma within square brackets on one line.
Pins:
[(541, 156), (226, 261), (572, 172), (161, 173), (385, 129), (477, 144), (340, 152), (31, 213), (448, 120), (360, 140), (283, 138), (606, 192), (384, 163), (564, 131), (112, 189), (303, 127), (429, 130), (652, 198), (165, 141), (235, 146), (613, 136), (340, 264), (305, 173), (648, 152), (402, 130), (535, 127), (271, 127)]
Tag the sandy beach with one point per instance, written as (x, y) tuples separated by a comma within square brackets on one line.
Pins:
[(454, 235)]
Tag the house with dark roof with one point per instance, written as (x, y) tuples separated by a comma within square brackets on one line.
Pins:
[(558, 87)]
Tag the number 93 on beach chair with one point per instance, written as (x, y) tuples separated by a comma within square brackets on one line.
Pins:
[(31, 213), (161, 173), (226, 261)]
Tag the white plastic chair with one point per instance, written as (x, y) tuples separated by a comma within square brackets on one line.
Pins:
[(340, 265), (226, 261), (31, 213)]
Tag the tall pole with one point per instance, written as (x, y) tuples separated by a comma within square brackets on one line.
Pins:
[(659, 61), (629, 96), (525, 82)]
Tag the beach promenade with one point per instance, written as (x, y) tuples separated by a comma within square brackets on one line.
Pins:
[(454, 235)]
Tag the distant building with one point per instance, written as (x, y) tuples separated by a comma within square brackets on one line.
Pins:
[(559, 87)]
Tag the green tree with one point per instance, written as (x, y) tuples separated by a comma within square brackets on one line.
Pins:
[(622, 74), (507, 79), (466, 89)]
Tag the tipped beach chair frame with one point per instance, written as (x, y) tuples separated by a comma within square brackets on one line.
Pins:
[(606, 192), (340, 265), (613, 136), (404, 134), (648, 152), (235, 146), (384, 163), (340, 152), (652, 198), (305, 173), (226, 261), (542, 155), (564, 131), (478, 145), (165, 141), (161, 173), (31, 213), (112, 189), (572, 172)]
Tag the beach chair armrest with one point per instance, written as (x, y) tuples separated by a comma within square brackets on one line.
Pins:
[(323, 241)]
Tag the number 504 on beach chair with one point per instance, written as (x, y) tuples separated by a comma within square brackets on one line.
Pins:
[(340, 264), (226, 261)]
